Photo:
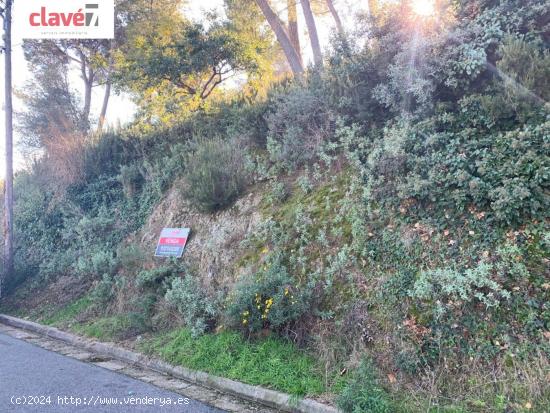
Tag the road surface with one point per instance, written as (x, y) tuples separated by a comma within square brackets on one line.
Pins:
[(56, 383)]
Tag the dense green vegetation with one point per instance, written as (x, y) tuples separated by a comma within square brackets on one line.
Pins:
[(404, 238), (270, 363)]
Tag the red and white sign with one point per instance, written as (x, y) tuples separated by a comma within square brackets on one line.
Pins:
[(172, 242)]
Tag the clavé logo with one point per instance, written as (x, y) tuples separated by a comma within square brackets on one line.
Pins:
[(64, 19), (80, 18)]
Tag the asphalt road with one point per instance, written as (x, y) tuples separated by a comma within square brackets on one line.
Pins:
[(30, 374)]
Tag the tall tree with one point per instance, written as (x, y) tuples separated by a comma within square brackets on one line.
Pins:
[(107, 75), (247, 28), (53, 112), (8, 185), (173, 66), (88, 56), (312, 30), (293, 31), (335, 15), (282, 37)]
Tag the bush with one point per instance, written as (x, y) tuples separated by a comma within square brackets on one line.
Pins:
[(198, 309), (502, 174), (216, 173), (300, 122), (103, 292), (269, 299), (154, 278), (279, 192), (131, 179), (97, 263), (363, 393), (130, 257), (448, 287), (527, 74)]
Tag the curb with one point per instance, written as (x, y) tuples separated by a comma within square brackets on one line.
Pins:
[(270, 398)]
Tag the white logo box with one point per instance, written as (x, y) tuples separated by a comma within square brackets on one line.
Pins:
[(64, 19)]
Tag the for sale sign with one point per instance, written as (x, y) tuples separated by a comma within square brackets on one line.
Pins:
[(172, 242)]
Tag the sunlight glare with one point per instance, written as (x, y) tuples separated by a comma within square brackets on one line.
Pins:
[(424, 8)]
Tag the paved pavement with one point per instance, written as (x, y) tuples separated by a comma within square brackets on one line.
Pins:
[(31, 374)]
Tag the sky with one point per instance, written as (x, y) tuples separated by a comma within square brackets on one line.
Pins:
[(121, 109)]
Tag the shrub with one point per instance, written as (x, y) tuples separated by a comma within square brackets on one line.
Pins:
[(363, 393), (103, 291), (131, 179), (153, 278), (300, 122), (279, 192), (408, 361), (448, 286), (216, 173), (268, 299), (526, 74), (198, 309), (97, 263), (130, 257), (502, 174), (143, 306)]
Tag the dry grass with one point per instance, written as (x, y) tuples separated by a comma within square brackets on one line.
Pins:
[(478, 387), (65, 153)]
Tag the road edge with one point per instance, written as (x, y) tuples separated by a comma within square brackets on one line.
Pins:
[(271, 398)]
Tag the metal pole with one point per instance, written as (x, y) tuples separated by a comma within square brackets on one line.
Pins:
[(8, 185)]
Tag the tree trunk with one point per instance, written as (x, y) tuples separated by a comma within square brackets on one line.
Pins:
[(372, 6), (88, 83), (8, 185), (312, 30), (106, 97), (87, 74), (336, 16), (282, 37), (293, 31)]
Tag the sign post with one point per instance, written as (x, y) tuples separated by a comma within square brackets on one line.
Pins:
[(172, 242)]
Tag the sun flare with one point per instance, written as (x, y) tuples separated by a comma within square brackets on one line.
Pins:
[(424, 8)]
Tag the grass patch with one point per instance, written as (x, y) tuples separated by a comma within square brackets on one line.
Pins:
[(69, 312), (119, 327), (271, 362), (316, 201), (104, 328)]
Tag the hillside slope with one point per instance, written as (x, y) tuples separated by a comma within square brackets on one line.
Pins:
[(375, 234)]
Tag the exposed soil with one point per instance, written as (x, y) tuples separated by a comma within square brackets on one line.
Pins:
[(42, 298)]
